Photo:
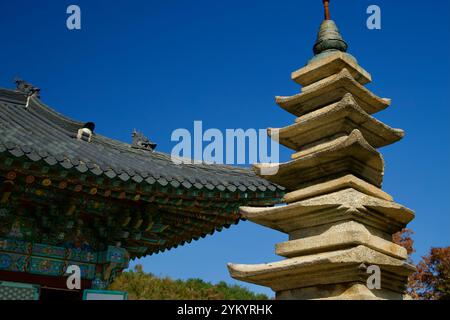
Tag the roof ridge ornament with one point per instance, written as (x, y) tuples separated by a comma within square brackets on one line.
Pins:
[(27, 88), (86, 132), (142, 142)]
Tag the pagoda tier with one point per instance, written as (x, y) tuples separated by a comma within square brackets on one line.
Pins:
[(349, 204), (338, 119), (330, 90), (332, 273), (342, 156), (339, 221), (326, 66)]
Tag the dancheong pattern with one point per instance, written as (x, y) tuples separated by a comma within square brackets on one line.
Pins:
[(21, 292)]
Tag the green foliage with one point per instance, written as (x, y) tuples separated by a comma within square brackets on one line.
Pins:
[(145, 286)]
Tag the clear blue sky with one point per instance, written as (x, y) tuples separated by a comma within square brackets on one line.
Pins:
[(160, 65)]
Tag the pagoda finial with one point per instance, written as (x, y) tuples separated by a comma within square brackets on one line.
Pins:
[(326, 4), (329, 38)]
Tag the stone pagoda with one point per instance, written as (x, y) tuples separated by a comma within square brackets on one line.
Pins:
[(339, 221)]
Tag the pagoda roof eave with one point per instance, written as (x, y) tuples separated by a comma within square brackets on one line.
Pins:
[(330, 90), (328, 65), (339, 157), (338, 118)]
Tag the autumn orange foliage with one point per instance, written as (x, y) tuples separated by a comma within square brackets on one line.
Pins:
[(432, 279)]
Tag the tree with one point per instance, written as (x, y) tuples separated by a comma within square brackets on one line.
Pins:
[(145, 286), (404, 239), (432, 279)]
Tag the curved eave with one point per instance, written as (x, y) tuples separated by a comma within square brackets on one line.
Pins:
[(53, 140), (342, 153), (330, 90), (331, 121), (34, 136)]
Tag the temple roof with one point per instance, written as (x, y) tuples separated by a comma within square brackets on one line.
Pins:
[(30, 128), (60, 171)]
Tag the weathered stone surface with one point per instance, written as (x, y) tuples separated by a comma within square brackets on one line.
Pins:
[(344, 205), (329, 39), (346, 182), (342, 266), (330, 90), (338, 119), (330, 65), (340, 236), (338, 219), (347, 291), (348, 155)]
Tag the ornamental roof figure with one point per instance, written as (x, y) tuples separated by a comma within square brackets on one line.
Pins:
[(142, 142), (27, 88)]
